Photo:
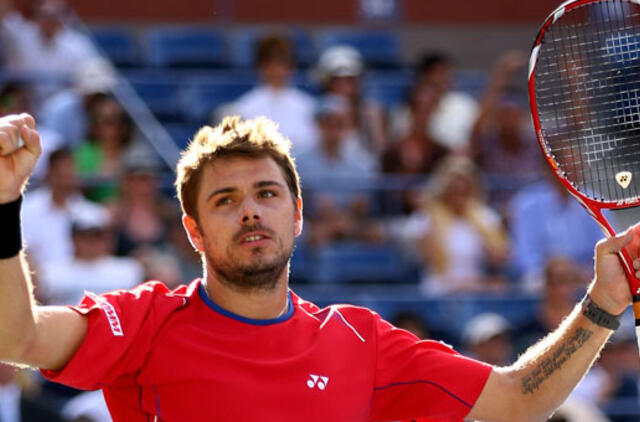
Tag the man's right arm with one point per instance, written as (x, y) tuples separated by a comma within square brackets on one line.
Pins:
[(43, 337)]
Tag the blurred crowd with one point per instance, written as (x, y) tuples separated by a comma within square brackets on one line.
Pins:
[(453, 184)]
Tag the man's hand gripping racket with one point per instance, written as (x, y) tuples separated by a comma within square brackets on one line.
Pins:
[(19, 150), (584, 90)]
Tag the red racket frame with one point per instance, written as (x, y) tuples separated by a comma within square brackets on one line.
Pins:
[(592, 206)]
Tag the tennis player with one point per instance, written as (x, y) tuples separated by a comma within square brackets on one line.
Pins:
[(238, 345)]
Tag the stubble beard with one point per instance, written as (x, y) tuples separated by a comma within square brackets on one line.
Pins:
[(260, 276)]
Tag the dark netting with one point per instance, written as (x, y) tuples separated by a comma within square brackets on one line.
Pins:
[(587, 87)]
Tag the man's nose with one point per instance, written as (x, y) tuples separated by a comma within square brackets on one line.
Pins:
[(250, 212)]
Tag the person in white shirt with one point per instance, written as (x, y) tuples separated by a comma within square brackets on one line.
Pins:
[(276, 98), (49, 210), (45, 44), (16, 406), (93, 268)]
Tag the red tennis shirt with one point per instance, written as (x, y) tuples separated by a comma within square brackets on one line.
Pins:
[(176, 356)]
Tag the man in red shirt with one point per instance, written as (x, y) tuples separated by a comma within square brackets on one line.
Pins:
[(238, 344)]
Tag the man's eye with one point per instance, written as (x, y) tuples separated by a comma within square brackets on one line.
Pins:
[(267, 194), (223, 201)]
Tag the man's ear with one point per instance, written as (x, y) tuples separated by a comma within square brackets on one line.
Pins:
[(193, 232), (298, 217)]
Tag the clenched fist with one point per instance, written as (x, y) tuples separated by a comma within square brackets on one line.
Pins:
[(19, 150)]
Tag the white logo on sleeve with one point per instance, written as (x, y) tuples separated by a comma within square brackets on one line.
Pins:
[(317, 381)]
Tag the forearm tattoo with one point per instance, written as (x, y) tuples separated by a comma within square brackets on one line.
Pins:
[(549, 365)]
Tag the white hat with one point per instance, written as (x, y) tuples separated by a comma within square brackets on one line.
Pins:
[(89, 217), (95, 76), (483, 327), (340, 60)]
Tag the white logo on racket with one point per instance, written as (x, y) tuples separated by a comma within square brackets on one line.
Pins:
[(624, 178)]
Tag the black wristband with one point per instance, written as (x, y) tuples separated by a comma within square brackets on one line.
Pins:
[(599, 316), (11, 241)]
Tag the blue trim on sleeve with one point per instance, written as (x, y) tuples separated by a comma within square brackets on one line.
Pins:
[(396, 384), (217, 308)]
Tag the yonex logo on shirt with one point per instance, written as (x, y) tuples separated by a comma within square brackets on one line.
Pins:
[(317, 381)]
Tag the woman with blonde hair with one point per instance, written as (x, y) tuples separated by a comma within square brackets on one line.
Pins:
[(464, 241)]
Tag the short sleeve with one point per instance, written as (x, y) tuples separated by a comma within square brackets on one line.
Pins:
[(423, 379), (121, 330)]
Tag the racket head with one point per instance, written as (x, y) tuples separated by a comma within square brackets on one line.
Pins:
[(584, 93)]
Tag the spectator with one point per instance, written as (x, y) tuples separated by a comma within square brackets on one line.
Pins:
[(463, 244), (337, 178), (44, 45), (487, 337), (276, 98), (94, 268), (15, 99), (67, 112), (16, 405), (141, 213), (339, 70), (49, 210), (546, 221), (100, 159), (563, 283), (88, 406), (503, 138), (452, 121)]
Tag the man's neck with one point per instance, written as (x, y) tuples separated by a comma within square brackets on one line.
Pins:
[(249, 304)]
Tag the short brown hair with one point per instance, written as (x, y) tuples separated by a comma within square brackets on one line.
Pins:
[(256, 138), (273, 47)]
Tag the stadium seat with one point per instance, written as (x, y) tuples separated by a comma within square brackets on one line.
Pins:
[(354, 262), (379, 48), (185, 47), (160, 93), (118, 44), (181, 133), (389, 88), (201, 96)]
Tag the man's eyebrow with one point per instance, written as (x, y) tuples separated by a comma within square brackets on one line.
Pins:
[(265, 183), (220, 191)]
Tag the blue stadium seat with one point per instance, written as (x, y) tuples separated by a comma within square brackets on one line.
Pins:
[(389, 88), (185, 47), (119, 45), (380, 49), (244, 41), (355, 262), (201, 96), (181, 133), (160, 92)]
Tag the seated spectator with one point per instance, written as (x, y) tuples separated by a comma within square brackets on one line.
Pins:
[(141, 213), (464, 246), (88, 406), (503, 142), (276, 98), (45, 45), (451, 122), (487, 337), (67, 112), (563, 283), (15, 99), (99, 160), (94, 268), (48, 210), (17, 405), (546, 221), (337, 176), (339, 70)]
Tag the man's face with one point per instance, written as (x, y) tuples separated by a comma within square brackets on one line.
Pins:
[(247, 222)]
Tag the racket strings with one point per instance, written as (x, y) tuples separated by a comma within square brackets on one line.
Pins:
[(587, 85)]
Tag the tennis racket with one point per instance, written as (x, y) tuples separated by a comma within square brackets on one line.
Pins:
[(584, 93)]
